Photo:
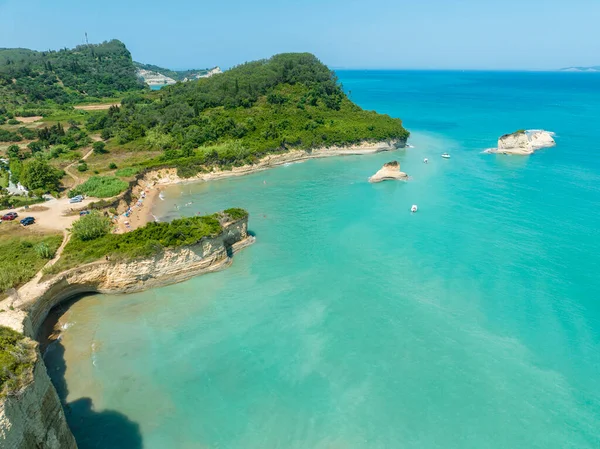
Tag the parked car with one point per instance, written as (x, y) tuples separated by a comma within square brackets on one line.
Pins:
[(76, 199), (10, 216), (27, 221), (84, 212)]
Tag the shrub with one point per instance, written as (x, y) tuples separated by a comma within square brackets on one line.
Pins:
[(90, 227), (82, 167), (236, 213), (126, 172), (13, 121), (9, 136), (44, 251), (27, 133), (112, 166), (17, 356), (99, 148), (100, 187), (57, 150)]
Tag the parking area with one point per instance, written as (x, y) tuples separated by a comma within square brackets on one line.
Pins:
[(53, 215)]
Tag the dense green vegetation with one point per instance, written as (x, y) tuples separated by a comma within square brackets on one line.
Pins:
[(21, 257), (91, 227), (17, 357), (289, 101), (126, 172), (100, 187), (92, 242), (38, 176), (177, 75), (66, 76)]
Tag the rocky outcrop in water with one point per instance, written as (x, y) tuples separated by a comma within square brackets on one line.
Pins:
[(390, 171), (524, 142)]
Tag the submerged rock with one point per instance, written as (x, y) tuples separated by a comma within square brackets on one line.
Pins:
[(524, 142), (388, 172)]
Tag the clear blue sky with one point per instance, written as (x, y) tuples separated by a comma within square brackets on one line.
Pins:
[(438, 34)]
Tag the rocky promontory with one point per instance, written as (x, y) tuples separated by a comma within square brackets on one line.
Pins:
[(389, 171), (523, 142), (32, 417)]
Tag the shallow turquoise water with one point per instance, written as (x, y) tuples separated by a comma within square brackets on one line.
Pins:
[(352, 323)]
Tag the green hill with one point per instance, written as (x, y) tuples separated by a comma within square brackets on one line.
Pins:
[(66, 76), (289, 101)]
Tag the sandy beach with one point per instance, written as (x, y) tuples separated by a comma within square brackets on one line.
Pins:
[(139, 211)]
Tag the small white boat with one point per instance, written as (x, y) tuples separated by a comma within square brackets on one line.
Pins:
[(161, 196), (425, 161), (445, 155), (414, 208)]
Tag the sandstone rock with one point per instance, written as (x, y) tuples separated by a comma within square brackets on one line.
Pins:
[(34, 418), (524, 142), (389, 171)]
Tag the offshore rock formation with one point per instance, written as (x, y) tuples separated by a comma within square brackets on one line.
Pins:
[(34, 419), (524, 142), (389, 171)]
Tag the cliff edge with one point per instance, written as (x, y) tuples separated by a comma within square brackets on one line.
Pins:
[(33, 418)]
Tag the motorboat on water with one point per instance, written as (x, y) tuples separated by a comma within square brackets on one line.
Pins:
[(414, 208), (445, 155)]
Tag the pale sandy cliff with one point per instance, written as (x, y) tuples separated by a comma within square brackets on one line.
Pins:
[(389, 171), (523, 142), (34, 418), (154, 78)]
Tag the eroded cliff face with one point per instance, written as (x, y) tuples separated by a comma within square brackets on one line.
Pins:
[(34, 418), (167, 267), (389, 171), (524, 142)]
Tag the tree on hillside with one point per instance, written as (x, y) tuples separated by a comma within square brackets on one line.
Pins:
[(38, 174), (13, 152), (99, 148)]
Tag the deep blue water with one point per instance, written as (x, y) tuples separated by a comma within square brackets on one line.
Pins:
[(351, 323)]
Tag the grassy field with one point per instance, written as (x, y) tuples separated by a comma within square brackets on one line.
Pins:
[(100, 187), (20, 250)]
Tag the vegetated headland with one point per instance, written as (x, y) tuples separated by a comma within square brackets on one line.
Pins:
[(82, 122)]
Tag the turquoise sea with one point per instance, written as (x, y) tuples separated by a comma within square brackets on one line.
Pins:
[(352, 323)]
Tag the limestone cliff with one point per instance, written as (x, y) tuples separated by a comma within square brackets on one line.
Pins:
[(34, 418), (524, 142), (154, 78), (389, 171)]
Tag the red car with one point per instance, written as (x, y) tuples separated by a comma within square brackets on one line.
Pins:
[(10, 216)]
